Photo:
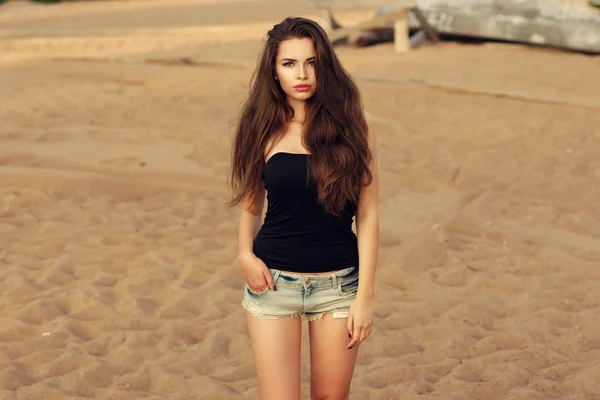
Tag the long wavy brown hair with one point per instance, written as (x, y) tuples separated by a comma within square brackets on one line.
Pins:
[(334, 130)]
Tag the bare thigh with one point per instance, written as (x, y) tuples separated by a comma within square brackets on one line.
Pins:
[(276, 348), (331, 363)]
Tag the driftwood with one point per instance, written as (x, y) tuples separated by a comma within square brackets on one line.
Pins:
[(567, 24), (398, 18), (382, 35), (388, 25)]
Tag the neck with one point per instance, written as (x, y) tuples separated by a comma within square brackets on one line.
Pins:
[(299, 107)]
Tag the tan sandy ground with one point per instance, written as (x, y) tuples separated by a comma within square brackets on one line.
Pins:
[(118, 274)]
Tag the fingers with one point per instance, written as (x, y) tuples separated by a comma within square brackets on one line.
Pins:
[(258, 288), (352, 332), (364, 333), (359, 333), (350, 324), (269, 279), (355, 337)]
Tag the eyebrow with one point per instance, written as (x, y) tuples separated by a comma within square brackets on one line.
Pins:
[(291, 59)]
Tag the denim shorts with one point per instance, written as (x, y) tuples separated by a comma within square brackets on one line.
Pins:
[(309, 296)]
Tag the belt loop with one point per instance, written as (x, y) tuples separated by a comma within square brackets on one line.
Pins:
[(334, 281)]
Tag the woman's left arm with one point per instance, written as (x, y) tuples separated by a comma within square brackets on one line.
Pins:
[(367, 230)]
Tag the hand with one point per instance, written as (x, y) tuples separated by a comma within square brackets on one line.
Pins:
[(360, 321), (256, 273)]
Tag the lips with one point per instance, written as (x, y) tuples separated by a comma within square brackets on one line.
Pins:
[(302, 87)]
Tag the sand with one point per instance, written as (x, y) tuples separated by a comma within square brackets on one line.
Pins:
[(118, 275)]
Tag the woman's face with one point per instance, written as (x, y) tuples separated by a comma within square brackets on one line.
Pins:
[(295, 69)]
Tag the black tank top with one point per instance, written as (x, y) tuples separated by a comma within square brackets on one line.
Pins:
[(297, 234)]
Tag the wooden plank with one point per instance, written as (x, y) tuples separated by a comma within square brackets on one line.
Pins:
[(564, 24), (376, 22), (401, 39), (417, 39), (552, 10), (375, 36), (430, 32), (385, 34), (567, 24)]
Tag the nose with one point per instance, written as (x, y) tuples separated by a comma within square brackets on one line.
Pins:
[(302, 74)]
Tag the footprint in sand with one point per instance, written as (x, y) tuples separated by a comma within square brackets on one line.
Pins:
[(5, 211), (129, 161), (82, 331)]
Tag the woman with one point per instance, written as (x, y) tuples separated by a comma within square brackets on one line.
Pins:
[(303, 141)]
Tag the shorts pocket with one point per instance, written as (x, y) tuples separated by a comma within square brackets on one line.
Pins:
[(274, 274), (348, 284), (257, 293)]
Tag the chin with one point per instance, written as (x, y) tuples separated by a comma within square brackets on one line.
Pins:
[(302, 96)]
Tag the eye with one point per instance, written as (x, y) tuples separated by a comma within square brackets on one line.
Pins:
[(312, 62), (288, 64)]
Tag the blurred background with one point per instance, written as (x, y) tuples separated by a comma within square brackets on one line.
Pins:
[(118, 274)]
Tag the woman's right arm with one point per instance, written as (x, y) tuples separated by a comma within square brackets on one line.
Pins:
[(256, 273), (250, 221)]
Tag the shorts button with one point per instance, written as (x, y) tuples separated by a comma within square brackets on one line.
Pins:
[(307, 281)]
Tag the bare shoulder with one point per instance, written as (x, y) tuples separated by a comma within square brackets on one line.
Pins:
[(368, 116), (268, 148), (370, 133)]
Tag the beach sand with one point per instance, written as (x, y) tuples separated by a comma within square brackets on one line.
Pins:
[(118, 275)]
